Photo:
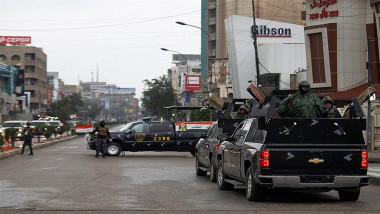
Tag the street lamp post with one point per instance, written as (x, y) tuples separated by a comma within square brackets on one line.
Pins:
[(187, 71), (209, 58)]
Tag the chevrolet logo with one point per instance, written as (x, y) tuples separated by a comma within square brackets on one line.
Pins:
[(316, 161)]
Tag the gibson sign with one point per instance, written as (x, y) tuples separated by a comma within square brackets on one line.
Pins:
[(264, 31), (16, 40)]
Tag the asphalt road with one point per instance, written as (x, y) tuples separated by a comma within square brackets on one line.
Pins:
[(66, 178)]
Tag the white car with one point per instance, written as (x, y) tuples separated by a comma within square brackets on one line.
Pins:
[(35, 123), (14, 124), (55, 123)]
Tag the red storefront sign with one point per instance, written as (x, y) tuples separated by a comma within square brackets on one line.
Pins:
[(192, 82), (324, 12), (15, 40)]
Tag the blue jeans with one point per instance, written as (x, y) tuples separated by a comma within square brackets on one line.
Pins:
[(101, 145)]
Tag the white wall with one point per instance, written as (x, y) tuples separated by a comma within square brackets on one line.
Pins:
[(277, 54)]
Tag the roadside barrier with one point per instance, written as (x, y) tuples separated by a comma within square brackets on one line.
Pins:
[(10, 144), (4, 147)]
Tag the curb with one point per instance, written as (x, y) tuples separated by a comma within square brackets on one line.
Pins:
[(16, 151)]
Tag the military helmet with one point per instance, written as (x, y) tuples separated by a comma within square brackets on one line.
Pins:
[(102, 123), (304, 86), (245, 107)]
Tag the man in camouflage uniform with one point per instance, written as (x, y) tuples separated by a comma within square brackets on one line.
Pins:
[(243, 112), (103, 135), (332, 111), (302, 104)]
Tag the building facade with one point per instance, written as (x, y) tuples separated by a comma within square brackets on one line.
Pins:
[(214, 52), (33, 61)]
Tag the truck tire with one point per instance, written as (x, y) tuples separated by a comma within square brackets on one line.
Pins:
[(222, 184), (113, 149), (254, 192), (212, 172), (349, 194), (198, 171)]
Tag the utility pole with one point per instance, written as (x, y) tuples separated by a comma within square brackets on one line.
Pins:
[(255, 45), (369, 115)]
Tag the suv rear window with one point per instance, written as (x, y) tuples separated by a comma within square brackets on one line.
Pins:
[(12, 124)]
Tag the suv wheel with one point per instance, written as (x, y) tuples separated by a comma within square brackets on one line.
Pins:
[(254, 192), (113, 149), (222, 184)]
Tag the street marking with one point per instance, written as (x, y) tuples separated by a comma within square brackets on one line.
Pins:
[(373, 174)]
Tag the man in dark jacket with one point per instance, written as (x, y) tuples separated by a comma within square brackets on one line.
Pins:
[(332, 111), (302, 104), (103, 135), (28, 135)]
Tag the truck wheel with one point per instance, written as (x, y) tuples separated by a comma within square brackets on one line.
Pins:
[(222, 184), (212, 172), (198, 171), (349, 194), (113, 149), (254, 192)]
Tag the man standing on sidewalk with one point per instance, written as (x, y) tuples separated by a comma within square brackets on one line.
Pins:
[(28, 135)]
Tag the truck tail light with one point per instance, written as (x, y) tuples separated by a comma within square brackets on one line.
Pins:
[(364, 159), (264, 159)]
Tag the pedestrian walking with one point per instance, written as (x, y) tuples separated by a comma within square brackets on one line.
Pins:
[(28, 135)]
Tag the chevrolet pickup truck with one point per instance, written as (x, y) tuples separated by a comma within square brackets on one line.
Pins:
[(323, 154), (154, 136)]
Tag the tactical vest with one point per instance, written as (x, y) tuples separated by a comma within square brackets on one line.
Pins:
[(102, 131)]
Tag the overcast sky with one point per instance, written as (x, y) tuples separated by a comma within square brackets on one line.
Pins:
[(123, 37)]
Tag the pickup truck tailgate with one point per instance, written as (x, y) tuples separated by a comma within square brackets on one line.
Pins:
[(315, 146)]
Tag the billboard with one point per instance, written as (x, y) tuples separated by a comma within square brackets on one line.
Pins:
[(15, 40), (192, 82)]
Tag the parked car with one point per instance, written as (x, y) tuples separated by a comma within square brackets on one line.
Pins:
[(208, 146), (55, 123), (35, 123), (14, 124)]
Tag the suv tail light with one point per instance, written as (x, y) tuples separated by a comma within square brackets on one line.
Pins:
[(264, 159), (218, 146), (364, 159)]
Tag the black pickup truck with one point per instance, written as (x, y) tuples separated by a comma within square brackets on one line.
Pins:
[(302, 154), (208, 145), (154, 136)]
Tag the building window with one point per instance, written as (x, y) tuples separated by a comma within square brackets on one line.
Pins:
[(317, 58), (2, 57), (29, 68), (15, 58), (196, 70), (30, 56)]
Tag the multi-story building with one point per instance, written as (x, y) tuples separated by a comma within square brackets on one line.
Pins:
[(185, 77), (214, 54), (53, 87), (33, 61)]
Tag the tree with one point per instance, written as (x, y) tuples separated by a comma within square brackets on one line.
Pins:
[(159, 93), (69, 105)]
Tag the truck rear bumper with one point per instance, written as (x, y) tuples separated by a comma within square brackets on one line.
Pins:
[(339, 181)]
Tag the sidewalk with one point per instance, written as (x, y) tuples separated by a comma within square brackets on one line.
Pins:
[(374, 156), (36, 145)]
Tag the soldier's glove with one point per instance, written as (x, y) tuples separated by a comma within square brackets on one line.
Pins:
[(110, 140)]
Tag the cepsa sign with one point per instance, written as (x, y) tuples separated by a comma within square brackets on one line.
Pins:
[(16, 40), (193, 82)]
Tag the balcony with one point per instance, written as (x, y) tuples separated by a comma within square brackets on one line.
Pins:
[(211, 21), (213, 36), (212, 5)]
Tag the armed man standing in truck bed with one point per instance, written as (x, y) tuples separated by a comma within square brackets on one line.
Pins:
[(302, 104)]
